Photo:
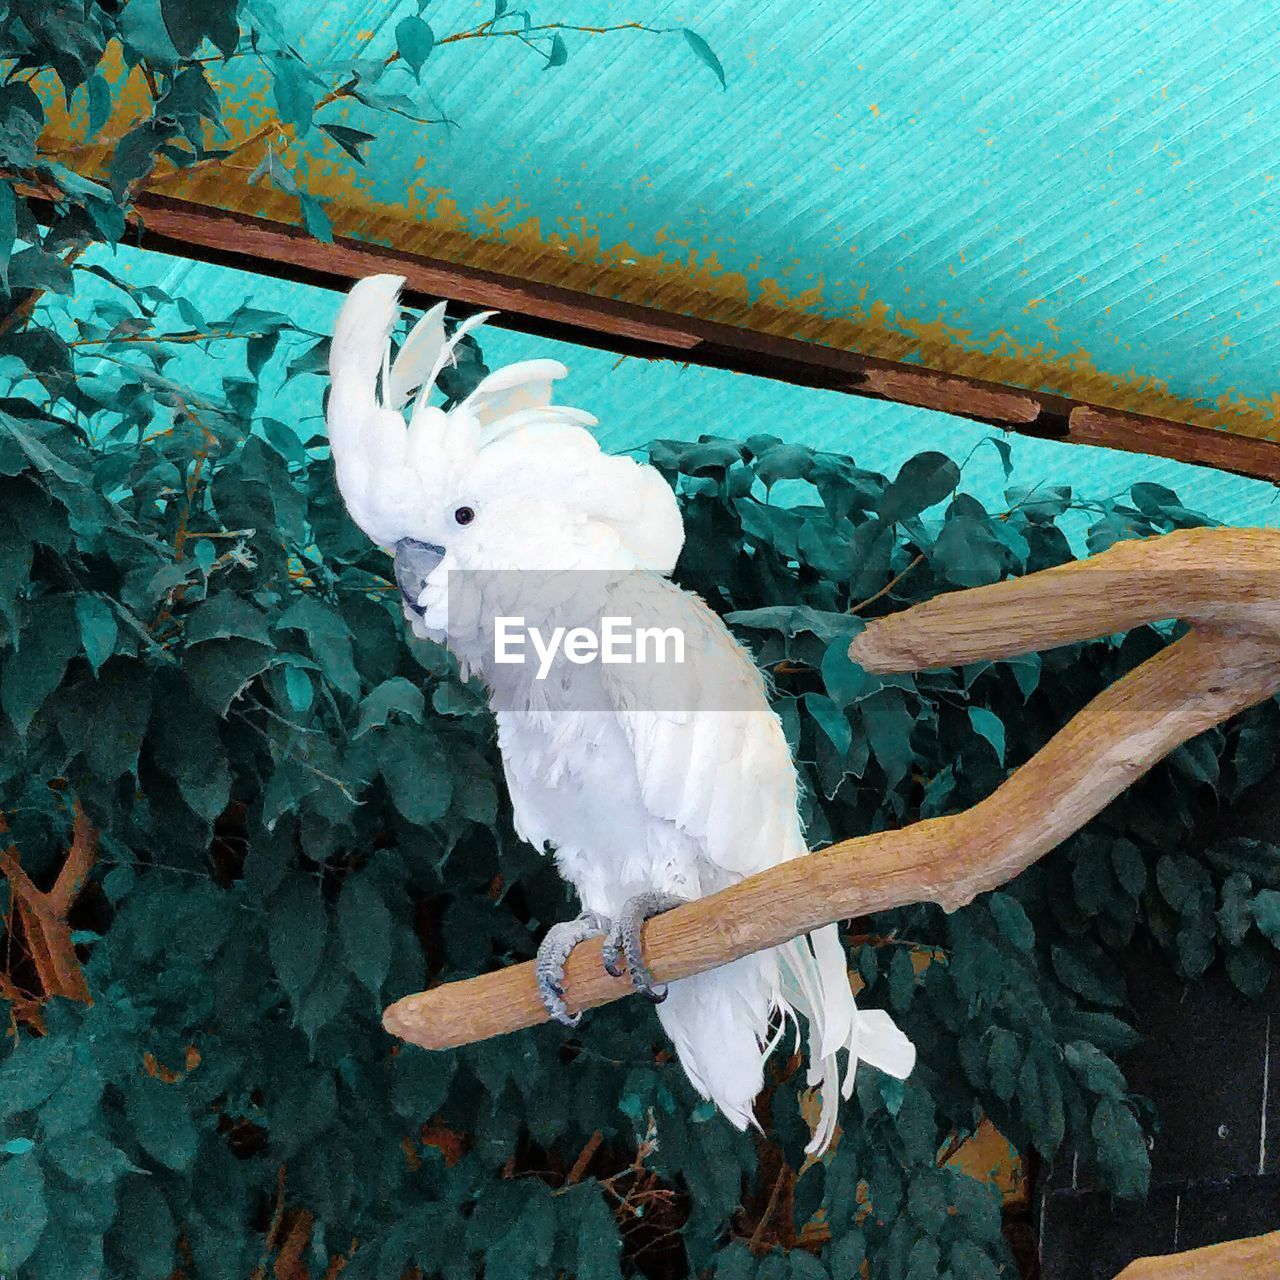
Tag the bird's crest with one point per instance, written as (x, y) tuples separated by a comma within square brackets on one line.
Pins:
[(386, 468)]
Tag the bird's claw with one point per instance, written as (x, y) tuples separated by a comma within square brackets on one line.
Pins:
[(623, 952), (560, 940)]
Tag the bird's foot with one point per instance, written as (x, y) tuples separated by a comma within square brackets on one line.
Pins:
[(622, 949), (554, 951)]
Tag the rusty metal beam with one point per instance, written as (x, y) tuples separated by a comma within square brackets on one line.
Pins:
[(270, 248)]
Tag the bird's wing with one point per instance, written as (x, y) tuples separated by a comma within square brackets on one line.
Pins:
[(710, 753)]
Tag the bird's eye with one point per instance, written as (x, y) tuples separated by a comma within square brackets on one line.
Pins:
[(464, 515)]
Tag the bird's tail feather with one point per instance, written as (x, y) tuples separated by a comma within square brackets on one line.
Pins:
[(815, 982), (719, 1023)]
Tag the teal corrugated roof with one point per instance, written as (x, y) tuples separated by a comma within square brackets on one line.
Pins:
[(1079, 197)]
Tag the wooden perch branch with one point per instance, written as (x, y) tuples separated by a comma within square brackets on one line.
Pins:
[(1226, 581), (1257, 1258)]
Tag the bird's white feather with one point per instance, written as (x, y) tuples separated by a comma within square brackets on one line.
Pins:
[(415, 362)]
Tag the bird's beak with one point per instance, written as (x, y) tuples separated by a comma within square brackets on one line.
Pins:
[(415, 562)]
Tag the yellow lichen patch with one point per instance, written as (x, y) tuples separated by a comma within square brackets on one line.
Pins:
[(990, 1157)]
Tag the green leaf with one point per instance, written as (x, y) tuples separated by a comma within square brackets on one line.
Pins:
[(848, 1254), (902, 979), (50, 639), (8, 230), (928, 1201), (314, 217), (1249, 967), (144, 1232), (990, 726), (1121, 1150), (414, 40), (104, 721), (783, 462), (162, 1123), (190, 21), (396, 696), (352, 141), (420, 1083), (134, 156), (1130, 869), (1040, 1098), (1004, 1059), (31, 1072), (735, 1262), (978, 1207), (969, 1262), (98, 629), (598, 1244), (1012, 920), (1083, 978), (416, 772), (99, 92), (185, 742), (299, 691), (220, 670), (295, 99), (704, 53), (1183, 882), (1266, 911), (296, 933), (921, 482), (559, 54), (329, 639), (889, 723), (21, 120), (804, 1266), (23, 1212), (831, 719), (1097, 1072), (364, 925), (87, 1157)]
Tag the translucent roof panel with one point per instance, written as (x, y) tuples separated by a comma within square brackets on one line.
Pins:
[(1076, 197)]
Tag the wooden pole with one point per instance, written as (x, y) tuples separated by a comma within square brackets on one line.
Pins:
[(1226, 581), (1257, 1258)]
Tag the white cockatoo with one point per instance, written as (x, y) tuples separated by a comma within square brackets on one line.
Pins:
[(646, 800)]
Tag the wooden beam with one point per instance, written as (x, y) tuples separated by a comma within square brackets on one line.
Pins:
[(1257, 1258), (1229, 661), (270, 248)]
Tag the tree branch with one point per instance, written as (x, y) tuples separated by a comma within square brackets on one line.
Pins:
[(1219, 669), (44, 915)]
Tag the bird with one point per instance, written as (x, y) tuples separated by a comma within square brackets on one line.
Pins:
[(651, 783)]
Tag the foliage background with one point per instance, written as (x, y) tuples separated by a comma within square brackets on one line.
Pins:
[(298, 812)]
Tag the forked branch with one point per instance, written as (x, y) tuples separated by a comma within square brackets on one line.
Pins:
[(1226, 582), (44, 915)]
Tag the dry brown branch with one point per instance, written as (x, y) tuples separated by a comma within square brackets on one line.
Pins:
[(1255, 1259), (44, 915), (584, 1158), (1224, 580)]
